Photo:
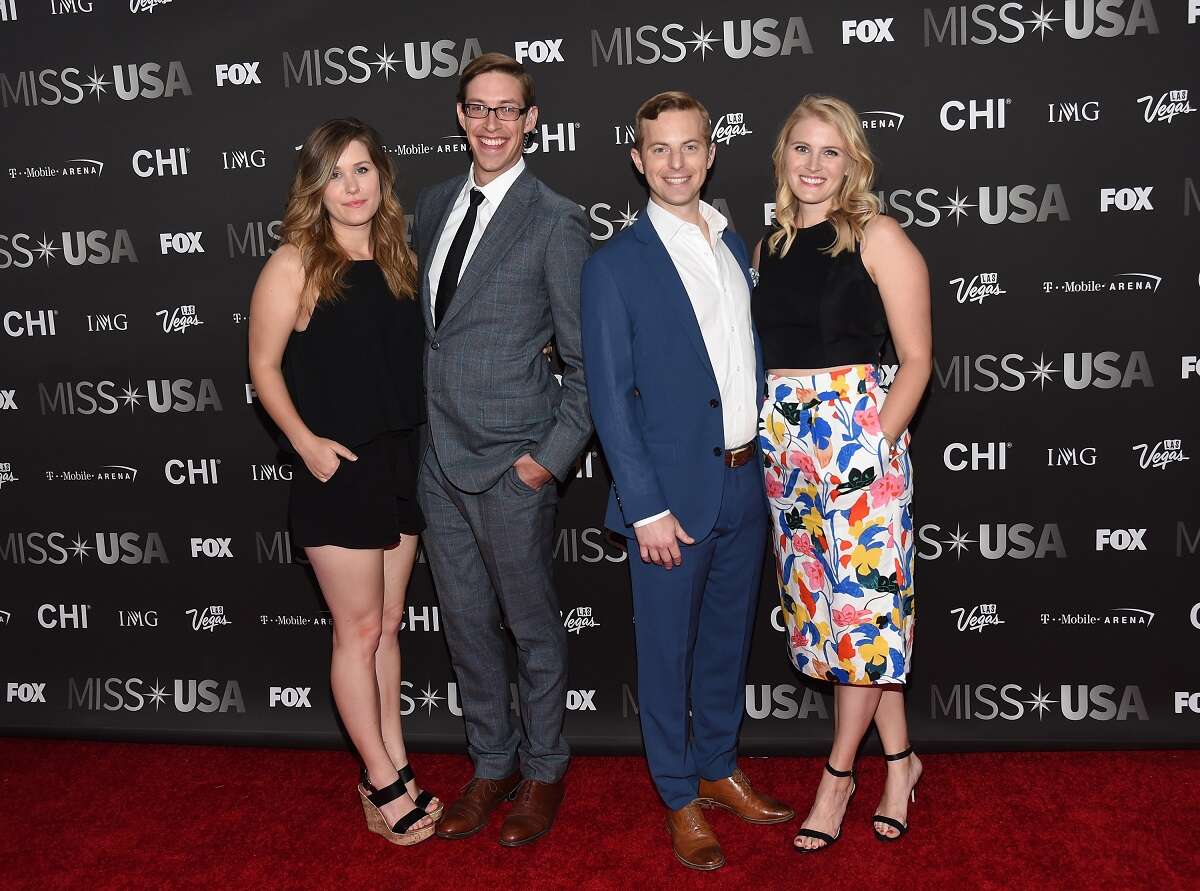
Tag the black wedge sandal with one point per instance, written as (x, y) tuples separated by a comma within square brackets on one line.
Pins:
[(824, 836), (901, 828), (422, 801), (402, 832)]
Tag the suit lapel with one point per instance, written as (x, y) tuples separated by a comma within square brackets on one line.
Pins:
[(446, 199), (503, 230), (670, 287)]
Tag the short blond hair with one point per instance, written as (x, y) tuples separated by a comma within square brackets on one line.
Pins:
[(671, 100)]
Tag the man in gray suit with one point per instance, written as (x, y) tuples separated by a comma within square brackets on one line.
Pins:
[(501, 256)]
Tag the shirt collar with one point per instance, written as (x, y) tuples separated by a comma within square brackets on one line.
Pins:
[(668, 226), (495, 191)]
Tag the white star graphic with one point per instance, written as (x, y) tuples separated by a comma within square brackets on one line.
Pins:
[(1040, 702), (428, 699), (96, 83), (79, 547), (131, 395), (958, 541), (46, 250), (958, 206), (628, 218), (703, 42), (1042, 370), (157, 694), (1042, 21), (387, 63)]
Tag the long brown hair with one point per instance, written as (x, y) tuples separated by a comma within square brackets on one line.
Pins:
[(306, 222), (854, 204)]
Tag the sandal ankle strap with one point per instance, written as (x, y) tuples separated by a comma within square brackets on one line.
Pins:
[(387, 794), (899, 757), (838, 773)]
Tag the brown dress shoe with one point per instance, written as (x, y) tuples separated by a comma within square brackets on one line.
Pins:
[(736, 795), (470, 812), (693, 840), (532, 813)]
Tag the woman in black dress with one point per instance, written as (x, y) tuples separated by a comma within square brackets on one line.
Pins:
[(335, 355)]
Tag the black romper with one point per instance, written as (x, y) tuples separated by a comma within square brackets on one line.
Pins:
[(354, 375)]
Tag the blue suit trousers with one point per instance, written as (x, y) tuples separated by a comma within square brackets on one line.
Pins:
[(693, 625)]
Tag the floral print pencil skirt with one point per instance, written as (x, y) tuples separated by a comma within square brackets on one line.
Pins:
[(842, 526)]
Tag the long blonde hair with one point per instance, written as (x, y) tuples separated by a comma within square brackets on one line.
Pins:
[(306, 222), (854, 204)]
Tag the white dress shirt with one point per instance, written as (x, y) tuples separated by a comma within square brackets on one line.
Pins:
[(493, 194), (716, 286)]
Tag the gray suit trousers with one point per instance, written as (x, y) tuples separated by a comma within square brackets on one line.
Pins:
[(491, 554)]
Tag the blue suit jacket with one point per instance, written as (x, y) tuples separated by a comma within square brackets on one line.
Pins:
[(653, 394)]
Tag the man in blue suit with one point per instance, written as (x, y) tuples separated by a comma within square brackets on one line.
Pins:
[(673, 371)]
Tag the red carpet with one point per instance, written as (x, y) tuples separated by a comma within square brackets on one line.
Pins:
[(104, 815)]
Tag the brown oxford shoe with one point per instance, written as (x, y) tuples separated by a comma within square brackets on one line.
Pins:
[(736, 795), (692, 839), (532, 813), (470, 812)]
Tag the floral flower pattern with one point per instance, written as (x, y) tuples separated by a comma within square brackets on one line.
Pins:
[(841, 502)]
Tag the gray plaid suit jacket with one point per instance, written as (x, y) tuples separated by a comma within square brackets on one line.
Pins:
[(492, 396)]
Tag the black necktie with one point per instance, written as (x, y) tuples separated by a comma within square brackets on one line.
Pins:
[(448, 282)]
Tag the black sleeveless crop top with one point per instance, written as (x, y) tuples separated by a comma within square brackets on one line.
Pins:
[(355, 372), (817, 311)]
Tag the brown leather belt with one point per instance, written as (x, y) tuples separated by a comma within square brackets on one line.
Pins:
[(741, 455)]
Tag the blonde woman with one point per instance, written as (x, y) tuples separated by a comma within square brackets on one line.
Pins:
[(836, 278), (335, 355)]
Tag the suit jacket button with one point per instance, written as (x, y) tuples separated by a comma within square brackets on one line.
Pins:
[(713, 403), (637, 392), (717, 451), (434, 345)]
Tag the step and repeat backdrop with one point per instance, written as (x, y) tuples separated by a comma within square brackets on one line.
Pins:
[(1043, 158)]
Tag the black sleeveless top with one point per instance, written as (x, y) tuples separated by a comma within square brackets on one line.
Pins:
[(355, 372), (817, 311)]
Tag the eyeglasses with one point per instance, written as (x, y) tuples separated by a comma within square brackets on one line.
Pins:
[(504, 112)]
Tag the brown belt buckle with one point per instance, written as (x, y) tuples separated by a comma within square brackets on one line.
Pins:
[(740, 455)]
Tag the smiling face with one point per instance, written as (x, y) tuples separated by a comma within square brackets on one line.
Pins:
[(352, 195), (496, 145), (675, 157), (815, 164)]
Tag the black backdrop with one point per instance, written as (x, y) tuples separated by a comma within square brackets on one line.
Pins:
[(1043, 159)]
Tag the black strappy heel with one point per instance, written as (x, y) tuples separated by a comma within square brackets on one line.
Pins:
[(901, 828), (824, 836)]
